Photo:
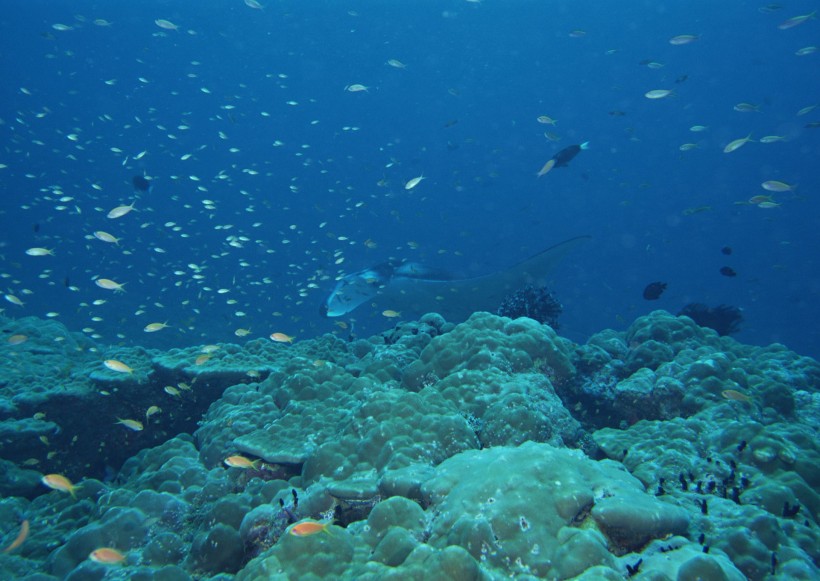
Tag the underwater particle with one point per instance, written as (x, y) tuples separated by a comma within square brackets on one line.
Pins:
[(39, 252), (537, 303), (241, 462), (133, 425), (725, 319), (735, 395), (412, 183), (154, 327), (654, 290), (737, 144), (120, 211), (141, 183), (308, 528), (109, 284), (59, 482), (23, 534), (727, 271), (658, 93), (106, 556), (727, 250), (166, 24)]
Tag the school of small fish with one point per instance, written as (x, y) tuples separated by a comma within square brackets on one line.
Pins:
[(135, 252)]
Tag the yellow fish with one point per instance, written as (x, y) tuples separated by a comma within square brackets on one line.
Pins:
[(134, 425), (117, 366)]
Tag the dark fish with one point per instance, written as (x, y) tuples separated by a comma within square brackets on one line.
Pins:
[(563, 157), (617, 113), (812, 125), (654, 290), (727, 271), (681, 79), (36, 228), (726, 250), (141, 183)]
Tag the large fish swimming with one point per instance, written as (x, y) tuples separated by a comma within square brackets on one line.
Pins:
[(414, 289), (563, 157)]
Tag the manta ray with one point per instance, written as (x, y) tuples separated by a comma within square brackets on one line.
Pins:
[(412, 288)]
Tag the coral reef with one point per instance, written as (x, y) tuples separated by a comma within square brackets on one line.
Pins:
[(484, 450)]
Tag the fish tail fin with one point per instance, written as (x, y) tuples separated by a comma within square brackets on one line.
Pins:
[(585, 145)]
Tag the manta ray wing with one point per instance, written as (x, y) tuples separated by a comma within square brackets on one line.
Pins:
[(457, 299)]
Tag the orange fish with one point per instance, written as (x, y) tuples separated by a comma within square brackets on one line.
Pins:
[(734, 395), (17, 339), (107, 556), (309, 527), (21, 537), (241, 462), (59, 482), (202, 360), (281, 338)]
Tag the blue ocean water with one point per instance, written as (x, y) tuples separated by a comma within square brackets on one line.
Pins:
[(270, 179)]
